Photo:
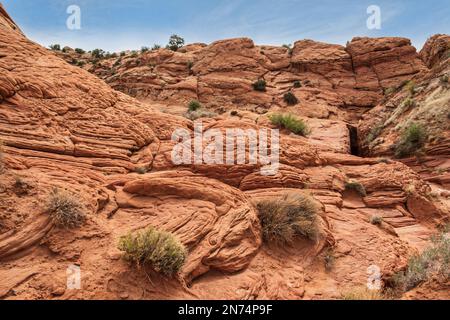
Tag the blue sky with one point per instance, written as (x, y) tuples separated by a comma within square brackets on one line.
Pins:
[(117, 25)]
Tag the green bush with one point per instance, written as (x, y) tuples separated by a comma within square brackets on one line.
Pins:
[(144, 49), (156, 47), (260, 85), (194, 105), (434, 262), (356, 186), (160, 250), (290, 98), (297, 84), (65, 209), (175, 42), (289, 48), (288, 216), (290, 122), (80, 51), (412, 140)]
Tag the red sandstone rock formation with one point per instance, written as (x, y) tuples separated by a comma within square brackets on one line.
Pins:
[(62, 126)]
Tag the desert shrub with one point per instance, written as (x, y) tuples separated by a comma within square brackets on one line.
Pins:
[(98, 53), (260, 85), (80, 63), (376, 220), (288, 216), (234, 113), (389, 91), (411, 87), (160, 250), (290, 122), (55, 47), (374, 132), (80, 51), (411, 141), (175, 42), (156, 47), (190, 65), (356, 186), (444, 78), (144, 49), (297, 84), (123, 53), (141, 170), (409, 103), (194, 105), (65, 209), (200, 113), (290, 98), (434, 262), (363, 294)]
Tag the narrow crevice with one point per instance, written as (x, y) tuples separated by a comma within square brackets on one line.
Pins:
[(354, 145)]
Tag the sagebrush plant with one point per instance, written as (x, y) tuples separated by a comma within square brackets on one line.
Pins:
[(290, 99), (260, 85), (65, 209), (434, 262), (160, 250), (412, 140), (290, 122), (411, 87), (376, 220), (357, 186), (194, 105), (287, 217), (200, 113)]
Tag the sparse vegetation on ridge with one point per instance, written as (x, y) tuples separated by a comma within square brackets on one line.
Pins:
[(160, 250), (290, 122), (55, 47), (287, 217), (65, 209)]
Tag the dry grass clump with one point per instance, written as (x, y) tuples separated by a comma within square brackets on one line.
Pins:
[(65, 209), (357, 186), (376, 220), (363, 294), (161, 250), (288, 216)]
